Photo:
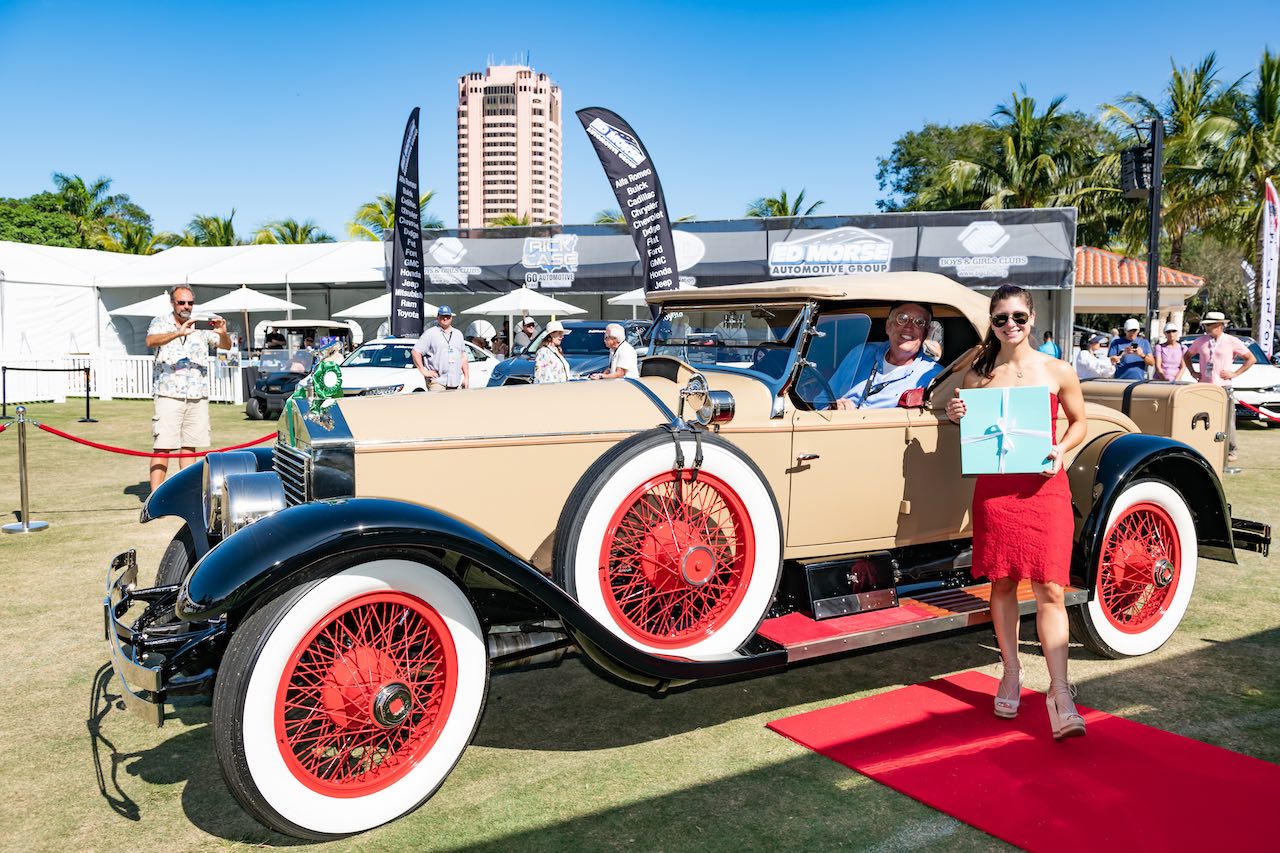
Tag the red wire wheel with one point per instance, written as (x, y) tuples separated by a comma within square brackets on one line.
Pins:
[(1140, 568), (365, 694), (676, 559)]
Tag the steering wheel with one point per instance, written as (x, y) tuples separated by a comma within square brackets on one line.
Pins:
[(810, 381)]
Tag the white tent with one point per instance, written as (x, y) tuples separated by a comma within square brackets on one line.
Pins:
[(48, 302), (379, 307), (153, 307)]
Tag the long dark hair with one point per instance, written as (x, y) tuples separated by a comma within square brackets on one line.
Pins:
[(986, 360)]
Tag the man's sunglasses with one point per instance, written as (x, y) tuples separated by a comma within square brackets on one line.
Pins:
[(904, 318), (184, 302), (1019, 317)]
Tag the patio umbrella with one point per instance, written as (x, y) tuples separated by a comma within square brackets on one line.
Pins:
[(153, 307), (246, 300), (377, 307), (523, 301), (635, 298)]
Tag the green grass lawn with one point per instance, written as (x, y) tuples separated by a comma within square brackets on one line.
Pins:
[(563, 759)]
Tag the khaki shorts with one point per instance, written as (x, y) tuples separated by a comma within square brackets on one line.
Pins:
[(180, 423)]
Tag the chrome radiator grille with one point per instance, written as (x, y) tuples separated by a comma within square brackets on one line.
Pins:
[(294, 469)]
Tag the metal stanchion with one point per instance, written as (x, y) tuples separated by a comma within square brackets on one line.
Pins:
[(26, 525), (4, 394), (86, 419)]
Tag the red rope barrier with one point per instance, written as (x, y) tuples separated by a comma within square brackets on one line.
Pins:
[(1265, 414), (128, 452), (3, 427)]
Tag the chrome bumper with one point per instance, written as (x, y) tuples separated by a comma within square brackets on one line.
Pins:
[(137, 675), (155, 656)]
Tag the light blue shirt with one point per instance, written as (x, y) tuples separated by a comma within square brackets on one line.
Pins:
[(887, 381), (1051, 348)]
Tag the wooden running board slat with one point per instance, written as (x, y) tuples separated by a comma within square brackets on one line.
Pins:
[(940, 610)]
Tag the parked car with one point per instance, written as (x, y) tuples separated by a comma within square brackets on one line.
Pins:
[(279, 372), (385, 366), (1259, 386), (344, 606), (583, 348)]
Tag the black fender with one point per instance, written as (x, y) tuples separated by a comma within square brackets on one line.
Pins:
[(180, 496), (1109, 463), (268, 555)]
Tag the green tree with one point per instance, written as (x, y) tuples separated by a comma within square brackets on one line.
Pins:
[(40, 220), (291, 231), (768, 206), (509, 220), (1033, 163), (211, 230), (134, 239), (99, 214), (374, 217), (1195, 108), (919, 158)]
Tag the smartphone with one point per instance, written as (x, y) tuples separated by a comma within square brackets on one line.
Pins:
[(204, 323)]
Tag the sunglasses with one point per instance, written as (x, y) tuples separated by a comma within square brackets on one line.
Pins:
[(184, 302), (904, 318), (1018, 317)]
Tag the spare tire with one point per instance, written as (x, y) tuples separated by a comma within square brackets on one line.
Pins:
[(676, 557)]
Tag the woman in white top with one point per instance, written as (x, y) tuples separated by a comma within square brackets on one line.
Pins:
[(1092, 361), (550, 366)]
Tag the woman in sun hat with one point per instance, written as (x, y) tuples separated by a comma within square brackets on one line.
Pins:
[(550, 365)]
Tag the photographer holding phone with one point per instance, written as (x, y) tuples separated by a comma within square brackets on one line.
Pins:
[(180, 379), (1130, 353)]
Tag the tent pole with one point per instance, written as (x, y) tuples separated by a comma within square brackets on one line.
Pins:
[(288, 297)]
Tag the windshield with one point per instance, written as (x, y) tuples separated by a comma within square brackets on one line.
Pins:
[(755, 338), (587, 340), (834, 362), (380, 355)]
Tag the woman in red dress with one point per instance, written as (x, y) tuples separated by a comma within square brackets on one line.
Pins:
[(1022, 523)]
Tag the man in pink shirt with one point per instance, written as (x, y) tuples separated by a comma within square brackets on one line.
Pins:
[(1169, 354), (1217, 352)]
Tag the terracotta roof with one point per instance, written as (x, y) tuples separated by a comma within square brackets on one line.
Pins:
[(1100, 268)]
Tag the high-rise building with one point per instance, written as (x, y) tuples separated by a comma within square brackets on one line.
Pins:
[(508, 146)]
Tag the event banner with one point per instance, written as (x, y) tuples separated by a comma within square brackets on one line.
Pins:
[(1270, 270), (404, 273), (635, 184)]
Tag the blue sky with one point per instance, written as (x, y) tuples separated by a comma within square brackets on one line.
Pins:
[(297, 109)]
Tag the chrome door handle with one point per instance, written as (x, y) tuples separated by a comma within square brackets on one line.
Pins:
[(807, 457)]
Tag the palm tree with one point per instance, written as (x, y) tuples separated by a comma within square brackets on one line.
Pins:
[(509, 220), (1196, 113), (767, 206), (1250, 156), (96, 210), (211, 230), (291, 231), (1032, 165), (374, 217), (134, 239)]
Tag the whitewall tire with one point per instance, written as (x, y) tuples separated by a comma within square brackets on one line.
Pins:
[(344, 703)]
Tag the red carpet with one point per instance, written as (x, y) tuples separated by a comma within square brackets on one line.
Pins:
[(1124, 786)]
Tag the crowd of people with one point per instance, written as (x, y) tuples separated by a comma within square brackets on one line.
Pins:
[(1129, 355)]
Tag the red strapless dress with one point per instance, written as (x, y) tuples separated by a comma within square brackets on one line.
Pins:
[(1023, 525)]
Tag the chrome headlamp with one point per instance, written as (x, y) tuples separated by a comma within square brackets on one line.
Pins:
[(709, 407), (247, 498), (217, 466)]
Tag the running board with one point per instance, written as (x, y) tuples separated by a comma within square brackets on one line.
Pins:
[(916, 616)]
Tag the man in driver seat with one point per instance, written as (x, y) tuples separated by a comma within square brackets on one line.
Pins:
[(888, 368)]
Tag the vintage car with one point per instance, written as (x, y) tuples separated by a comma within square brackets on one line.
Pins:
[(715, 517)]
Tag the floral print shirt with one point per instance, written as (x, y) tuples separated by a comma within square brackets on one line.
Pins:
[(550, 366), (181, 368)]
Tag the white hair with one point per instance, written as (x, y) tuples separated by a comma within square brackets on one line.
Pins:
[(614, 330)]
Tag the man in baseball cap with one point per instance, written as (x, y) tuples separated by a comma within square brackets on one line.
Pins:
[(526, 331), (1131, 353), (440, 356)]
